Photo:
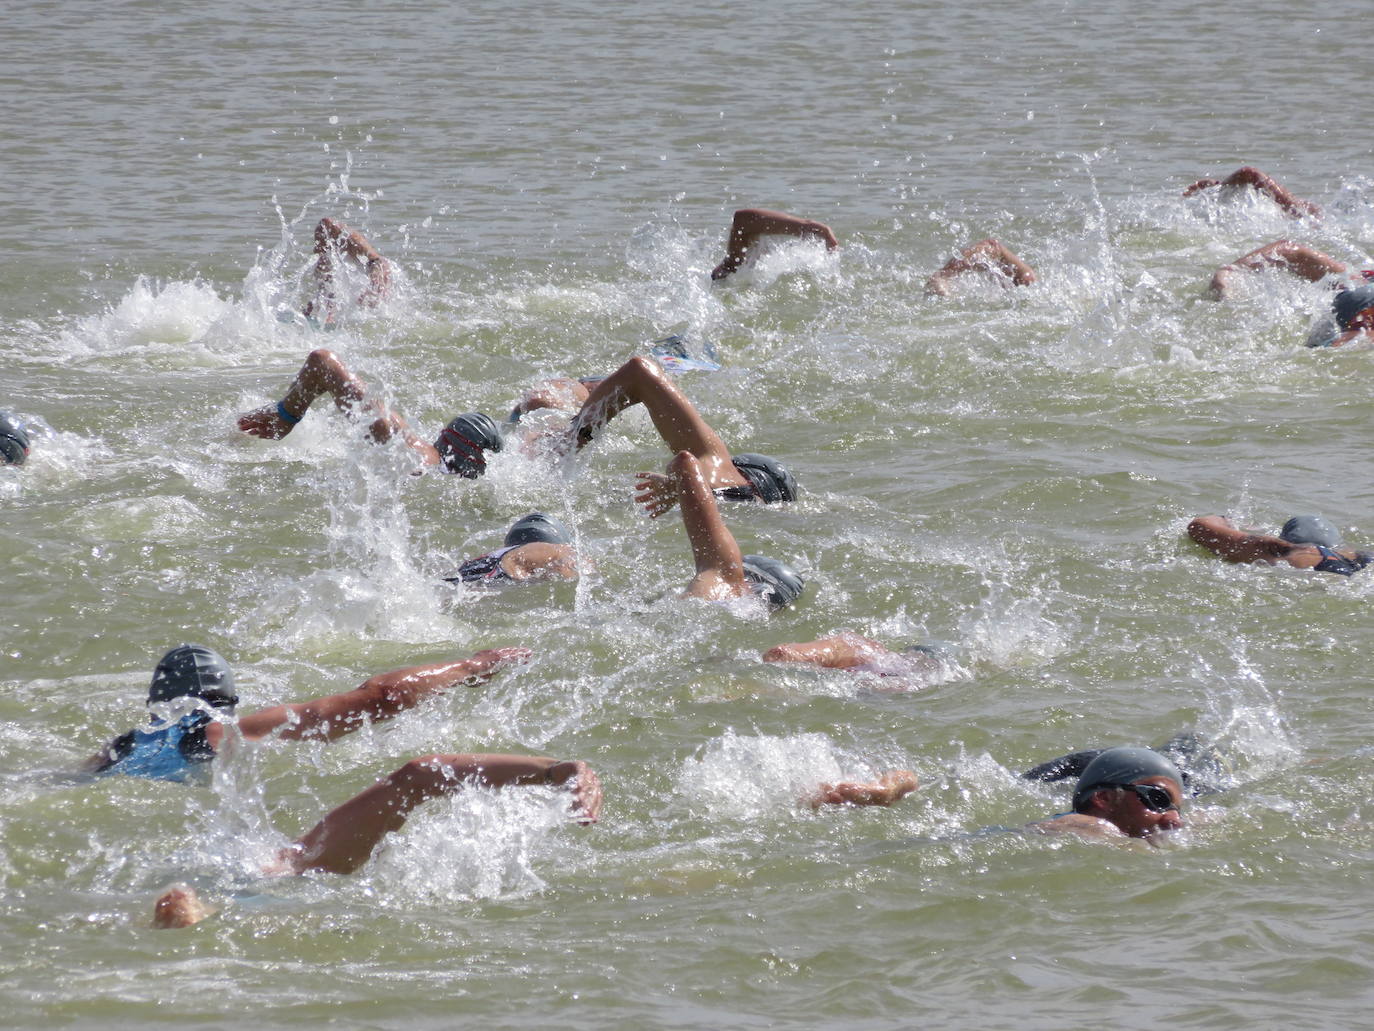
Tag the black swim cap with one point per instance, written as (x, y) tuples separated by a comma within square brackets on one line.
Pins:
[(776, 582), (1349, 303), (14, 440), (1118, 766), (1311, 529), (464, 440), (537, 528), (197, 671), (769, 477)]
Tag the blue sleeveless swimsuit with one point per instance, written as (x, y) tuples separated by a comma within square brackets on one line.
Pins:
[(174, 751)]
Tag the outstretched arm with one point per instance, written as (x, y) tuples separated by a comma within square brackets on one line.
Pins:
[(1250, 176), (888, 788), (842, 651), (347, 836), (749, 224), (380, 698), (1219, 534), (988, 255), (1302, 261)]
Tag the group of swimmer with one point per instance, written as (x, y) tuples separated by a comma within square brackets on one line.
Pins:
[(1119, 792)]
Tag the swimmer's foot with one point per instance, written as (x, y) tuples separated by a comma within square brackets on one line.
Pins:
[(888, 788), (270, 422), (179, 906)]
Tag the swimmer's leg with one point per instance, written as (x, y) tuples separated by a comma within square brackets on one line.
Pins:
[(322, 373), (641, 381), (348, 835)]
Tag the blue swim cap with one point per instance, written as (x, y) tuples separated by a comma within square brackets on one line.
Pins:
[(1349, 303), (464, 441), (1118, 766), (537, 528), (14, 440), (1311, 529), (776, 582), (195, 671), (768, 477)]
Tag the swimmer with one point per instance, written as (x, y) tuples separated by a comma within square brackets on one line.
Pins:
[(1253, 178), (194, 674), (14, 441), (1123, 792), (858, 655), (537, 547), (1200, 763), (752, 224), (335, 243), (722, 572), (1351, 319), (988, 256), (746, 477), (1284, 255), (461, 448), (348, 835), (1305, 542)]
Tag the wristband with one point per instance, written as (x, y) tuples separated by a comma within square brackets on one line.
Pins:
[(286, 416)]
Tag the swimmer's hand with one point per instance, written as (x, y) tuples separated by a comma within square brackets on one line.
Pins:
[(1200, 185), (264, 422), (484, 664), (888, 788), (585, 785), (655, 493)]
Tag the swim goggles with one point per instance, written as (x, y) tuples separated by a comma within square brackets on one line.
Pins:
[(1152, 796)]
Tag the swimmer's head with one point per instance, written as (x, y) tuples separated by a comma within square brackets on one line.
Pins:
[(14, 440), (464, 442), (770, 479), (1311, 529), (195, 671), (1118, 767), (1348, 304), (537, 528), (775, 582)]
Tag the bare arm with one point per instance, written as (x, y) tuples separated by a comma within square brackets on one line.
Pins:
[(380, 698), (1250, 176), (347, 836), (750, 224), (1219, 534), (1302, 261), (334, 242), (842, 651), (719, 563), (988, 255), (888, 788)]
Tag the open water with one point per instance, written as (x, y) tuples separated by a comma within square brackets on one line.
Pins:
[(1007, 471)]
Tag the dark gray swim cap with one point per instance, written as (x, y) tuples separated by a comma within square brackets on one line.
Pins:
[(1311, 529), (776, 582), (463, 442), (14, 440), (1349, 303), (537, 528), (197, 671), (769, 477), (1117, 766)]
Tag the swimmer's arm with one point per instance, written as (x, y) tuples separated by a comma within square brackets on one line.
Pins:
[(1077, 823), (888, 788), (984, 256), (749, 224), (715, 551), (1298, 259), (380, 698), (842, 651), (1219, 534)]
